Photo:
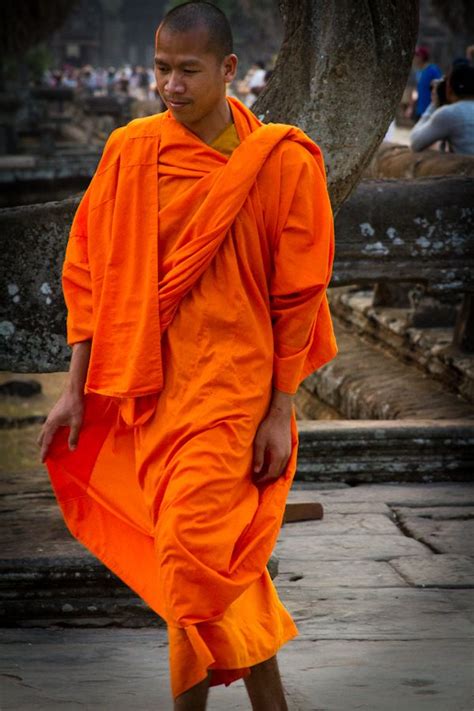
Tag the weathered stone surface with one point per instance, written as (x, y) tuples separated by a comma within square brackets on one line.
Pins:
[(430, 348), (15, 408), (20, 388), (360, 546), (375, 450), (462, 600), (443, 513), (24, 483), (310, 407), (330, 508), (18, 448), (419, 243), (382, 678), (376, 241), (444, 536), (439, 571), (363, 382), (347, 610), (450, 544), (123, 669), (40, 179), (382, 613), (344, 524), (119, 669), (399, 494), (339, 573)]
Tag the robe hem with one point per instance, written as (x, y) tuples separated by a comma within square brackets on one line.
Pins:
[(82, 535), (215, 681)]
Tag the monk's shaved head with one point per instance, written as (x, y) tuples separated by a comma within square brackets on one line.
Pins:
[(192, 15)]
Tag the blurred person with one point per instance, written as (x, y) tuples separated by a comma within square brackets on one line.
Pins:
[(255, 82), (87, 79), (122, 84), (450, 116), (100, 80), (195, 278), (70, 77), (425, 72), (111, 80)]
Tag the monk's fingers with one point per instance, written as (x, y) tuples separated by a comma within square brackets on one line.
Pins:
[(258, 453), (74, 432), (284, 463), (272, 469), (274, 466), (278, 464), (46, 440)]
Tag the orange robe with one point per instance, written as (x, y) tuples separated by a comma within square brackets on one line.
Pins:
[(201, 280)]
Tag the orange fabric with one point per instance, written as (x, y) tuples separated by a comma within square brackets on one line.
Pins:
[(202, 282)]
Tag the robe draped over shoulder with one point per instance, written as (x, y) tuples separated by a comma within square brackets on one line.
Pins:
[(201, 280)]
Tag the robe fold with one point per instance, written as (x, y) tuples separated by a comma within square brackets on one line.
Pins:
[(201, 280)]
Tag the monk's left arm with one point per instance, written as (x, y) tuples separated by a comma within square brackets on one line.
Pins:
[(302, 266), (76, 278), (302, 330)]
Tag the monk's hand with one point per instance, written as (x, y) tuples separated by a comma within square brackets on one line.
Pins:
[(272, 444), (67, 412)]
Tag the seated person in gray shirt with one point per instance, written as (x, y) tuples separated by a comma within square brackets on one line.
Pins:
[(453, 122)]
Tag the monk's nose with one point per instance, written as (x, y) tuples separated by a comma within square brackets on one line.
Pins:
[(174, 85)]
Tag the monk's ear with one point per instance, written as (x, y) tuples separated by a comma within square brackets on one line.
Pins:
[(229, 64)]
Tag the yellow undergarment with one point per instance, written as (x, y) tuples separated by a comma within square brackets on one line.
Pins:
[(227, 140)]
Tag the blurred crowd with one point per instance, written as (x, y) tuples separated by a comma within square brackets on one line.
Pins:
[(441, 106), (136, 82), (139, 82)]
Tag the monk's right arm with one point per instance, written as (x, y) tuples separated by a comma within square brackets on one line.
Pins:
[(69, 409), (77, 374)]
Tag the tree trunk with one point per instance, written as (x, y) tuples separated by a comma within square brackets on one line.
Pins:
[(339, 76)]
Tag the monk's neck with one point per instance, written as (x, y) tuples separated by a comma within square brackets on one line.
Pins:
[(209, 127)]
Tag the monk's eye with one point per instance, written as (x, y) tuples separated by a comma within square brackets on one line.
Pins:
[(162, 69), (190, 71)]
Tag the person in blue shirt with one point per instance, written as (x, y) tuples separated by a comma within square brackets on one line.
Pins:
[(425, 73)]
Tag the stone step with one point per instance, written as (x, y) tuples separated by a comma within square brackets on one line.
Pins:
[(366, 382), (355, 451), (70, 591), (430, 349)]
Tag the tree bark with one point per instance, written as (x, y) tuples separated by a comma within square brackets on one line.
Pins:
[(339, 76)]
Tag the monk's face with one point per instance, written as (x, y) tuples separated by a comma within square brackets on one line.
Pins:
[(190, 78)]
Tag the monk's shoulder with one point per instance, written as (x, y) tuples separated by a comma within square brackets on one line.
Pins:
[(120, 138), (145, 126), (296, 150), (112, 149)]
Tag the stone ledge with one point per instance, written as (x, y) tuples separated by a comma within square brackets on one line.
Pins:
[(365, 382), (386, 450), (430, 349)]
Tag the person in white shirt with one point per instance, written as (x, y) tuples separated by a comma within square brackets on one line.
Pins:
[(452, 123), (256, 83)]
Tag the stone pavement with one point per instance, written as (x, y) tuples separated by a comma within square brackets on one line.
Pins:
[(381, 590)]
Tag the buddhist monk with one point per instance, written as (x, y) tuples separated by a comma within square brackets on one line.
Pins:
[(195, 280)]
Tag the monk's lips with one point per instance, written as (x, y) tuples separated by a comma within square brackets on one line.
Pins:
[(177, 105)]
